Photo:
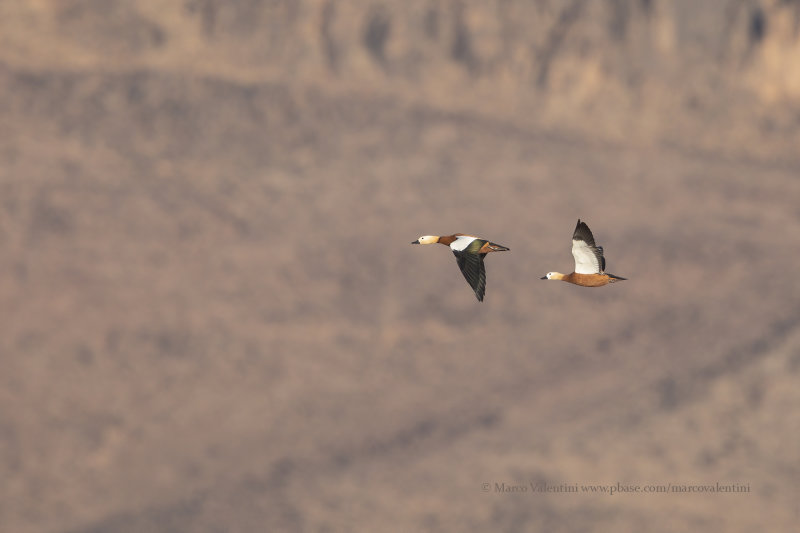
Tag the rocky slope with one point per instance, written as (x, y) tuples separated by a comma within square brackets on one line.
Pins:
[(211, 319)]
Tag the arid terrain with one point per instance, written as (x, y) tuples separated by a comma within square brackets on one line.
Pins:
[(212, 320)]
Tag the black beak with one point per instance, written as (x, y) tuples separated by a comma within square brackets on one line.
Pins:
[(543, 277), (415, 242)]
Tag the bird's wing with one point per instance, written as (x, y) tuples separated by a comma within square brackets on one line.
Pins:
[(471, 266), (588, 257)]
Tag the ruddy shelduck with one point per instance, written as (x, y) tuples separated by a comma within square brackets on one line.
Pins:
[(469, 251), (590, 264)]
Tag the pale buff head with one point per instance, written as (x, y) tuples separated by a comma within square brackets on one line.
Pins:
[(553, 276), (427, 239)]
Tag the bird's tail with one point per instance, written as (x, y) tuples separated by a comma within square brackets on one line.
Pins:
[(493, 247)]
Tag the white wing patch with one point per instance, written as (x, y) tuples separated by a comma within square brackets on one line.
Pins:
[(461, 242), (585, 260)]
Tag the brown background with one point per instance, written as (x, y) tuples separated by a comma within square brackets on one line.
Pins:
[(211, 318)]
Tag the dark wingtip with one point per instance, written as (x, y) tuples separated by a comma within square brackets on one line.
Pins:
[(583, 233)]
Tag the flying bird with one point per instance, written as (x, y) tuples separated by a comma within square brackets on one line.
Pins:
[(590, 265), (469, 251)]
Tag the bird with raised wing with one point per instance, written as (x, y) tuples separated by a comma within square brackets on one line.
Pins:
[(469, 251), (590, 265)]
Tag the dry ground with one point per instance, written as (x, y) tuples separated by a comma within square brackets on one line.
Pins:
[(212, 319)]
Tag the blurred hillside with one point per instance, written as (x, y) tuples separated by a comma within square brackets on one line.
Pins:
[(624, 70), (212, 320)]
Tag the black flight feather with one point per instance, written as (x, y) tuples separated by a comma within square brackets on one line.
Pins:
[(471, 266)]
